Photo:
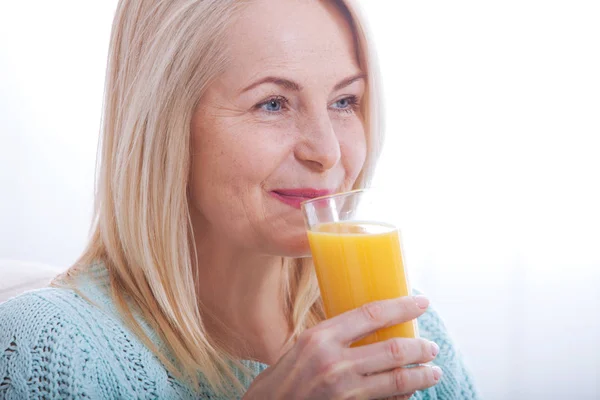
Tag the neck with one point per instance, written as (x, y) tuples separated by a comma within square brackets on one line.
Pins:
[(241, 295)]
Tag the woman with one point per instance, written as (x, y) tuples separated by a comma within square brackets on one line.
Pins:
[(216, 113)]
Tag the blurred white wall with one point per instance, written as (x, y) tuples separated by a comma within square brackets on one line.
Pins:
[(52, 62), (493, 135)]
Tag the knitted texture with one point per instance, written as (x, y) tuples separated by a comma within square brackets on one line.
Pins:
[(456, 382), (54, 344)]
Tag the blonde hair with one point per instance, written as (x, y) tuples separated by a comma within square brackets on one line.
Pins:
[(163, 55)]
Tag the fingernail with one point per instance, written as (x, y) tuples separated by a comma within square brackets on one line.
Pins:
[(437, 373), (422, 301), (435, 349)]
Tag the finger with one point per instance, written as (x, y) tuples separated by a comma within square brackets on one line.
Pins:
[(401, 381), (390, 354), (356, 324)]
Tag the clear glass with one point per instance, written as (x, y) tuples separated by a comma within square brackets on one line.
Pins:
[(357, 255)]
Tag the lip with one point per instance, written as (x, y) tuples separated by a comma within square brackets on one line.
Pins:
[(295, 197)]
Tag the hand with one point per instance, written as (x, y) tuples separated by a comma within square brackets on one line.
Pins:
[(322, 365)]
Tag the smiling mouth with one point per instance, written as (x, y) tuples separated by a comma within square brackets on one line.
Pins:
[(295, 197)]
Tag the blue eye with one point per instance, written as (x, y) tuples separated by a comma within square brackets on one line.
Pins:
[(346, 104), (343, 103), (273, 105)]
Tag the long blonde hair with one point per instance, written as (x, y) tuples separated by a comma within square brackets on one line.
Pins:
[(162, 57)]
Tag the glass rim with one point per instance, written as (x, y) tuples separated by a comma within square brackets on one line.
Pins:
[(334, 196)]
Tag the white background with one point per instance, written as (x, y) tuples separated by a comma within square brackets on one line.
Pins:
[(493, 135)]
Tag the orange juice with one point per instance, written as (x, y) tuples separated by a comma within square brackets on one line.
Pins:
[(357, 263)]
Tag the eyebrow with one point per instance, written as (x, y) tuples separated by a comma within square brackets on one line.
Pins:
[(349, 81), (293, 86), (285, 83)]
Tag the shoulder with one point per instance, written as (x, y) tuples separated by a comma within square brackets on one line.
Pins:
[(37, 306), (40, 314), (44, 347), (56, 341), (31, 314)]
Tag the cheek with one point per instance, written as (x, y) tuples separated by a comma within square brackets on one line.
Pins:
[(232, 159), (215, 168), (227, 151), (353, 146)]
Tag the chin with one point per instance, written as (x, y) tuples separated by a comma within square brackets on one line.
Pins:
[(294, 247)]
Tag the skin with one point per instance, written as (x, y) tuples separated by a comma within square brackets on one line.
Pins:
[(253, 134), (315, 140)]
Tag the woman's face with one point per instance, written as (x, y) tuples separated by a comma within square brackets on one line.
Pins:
[(280, 125)]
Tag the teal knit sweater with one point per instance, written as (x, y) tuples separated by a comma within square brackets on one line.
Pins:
[(54, 344)]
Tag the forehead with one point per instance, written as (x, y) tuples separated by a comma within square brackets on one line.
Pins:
[(310, 36)]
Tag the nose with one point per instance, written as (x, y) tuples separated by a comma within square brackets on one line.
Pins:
[(318, 147)]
